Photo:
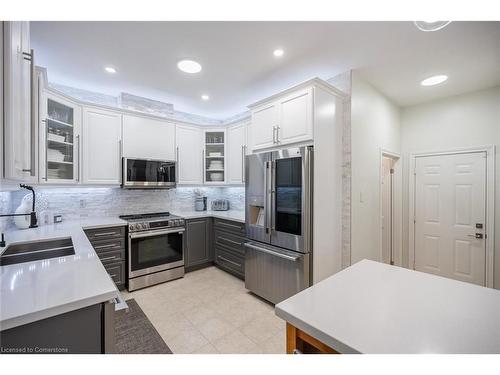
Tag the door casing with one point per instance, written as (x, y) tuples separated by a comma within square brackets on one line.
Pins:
[(490, 203)]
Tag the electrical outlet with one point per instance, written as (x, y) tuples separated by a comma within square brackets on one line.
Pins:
[(57, 218)]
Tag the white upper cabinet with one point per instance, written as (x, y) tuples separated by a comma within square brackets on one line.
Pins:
[(101, 146), (236, 150), (60, 140), (147, 138), (20, 130), (264, 124), (190, 154), (214, 151), (284, 119), (296, 120)]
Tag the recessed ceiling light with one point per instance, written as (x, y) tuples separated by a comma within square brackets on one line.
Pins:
[(110, 69), (189, 66), (434, 80), (278, 52), (205, 97), (431, 25)]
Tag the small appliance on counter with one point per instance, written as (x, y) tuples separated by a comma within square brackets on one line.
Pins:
[(200, 201), (220, 205)]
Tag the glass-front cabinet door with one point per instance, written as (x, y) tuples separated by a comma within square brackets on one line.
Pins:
[(60, 141), (215, 157)]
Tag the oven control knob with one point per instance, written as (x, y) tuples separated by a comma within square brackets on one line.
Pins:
[(132, 227), (181, 222), (144, 226)]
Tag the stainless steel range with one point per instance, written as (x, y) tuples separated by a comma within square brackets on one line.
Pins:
[(155, 248)]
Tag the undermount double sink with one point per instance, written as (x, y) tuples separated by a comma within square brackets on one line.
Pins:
[(37, 250)]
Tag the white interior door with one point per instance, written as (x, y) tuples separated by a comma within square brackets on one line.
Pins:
[(386, 212), (450, 209)]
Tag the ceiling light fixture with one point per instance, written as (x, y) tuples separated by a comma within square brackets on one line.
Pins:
[(110, 69), (205, 97), (434, 80), (278, 52), (189, 66), (431, 25)]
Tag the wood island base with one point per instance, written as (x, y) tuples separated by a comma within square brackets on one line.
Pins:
[(299, 342)]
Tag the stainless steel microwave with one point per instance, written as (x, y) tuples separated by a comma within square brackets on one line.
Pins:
[(148, 173)]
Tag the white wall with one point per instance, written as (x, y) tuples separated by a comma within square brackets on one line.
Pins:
[(467, 120), (327, 205), (375, 125)]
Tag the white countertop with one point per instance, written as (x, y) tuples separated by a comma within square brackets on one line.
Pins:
[(372, 307), (37, 290), (234, 215)]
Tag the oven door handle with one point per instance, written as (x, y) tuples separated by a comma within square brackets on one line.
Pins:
[(152, 233)]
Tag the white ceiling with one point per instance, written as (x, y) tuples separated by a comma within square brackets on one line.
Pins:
[(239, 67)]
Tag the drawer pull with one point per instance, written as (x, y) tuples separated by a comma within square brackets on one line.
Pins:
[(229, 225), (109, 258), (106, 246), (231, 241), (113, 275), (228, 261), (105, 234)]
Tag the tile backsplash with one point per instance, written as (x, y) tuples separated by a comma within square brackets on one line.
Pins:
[(76, 203)]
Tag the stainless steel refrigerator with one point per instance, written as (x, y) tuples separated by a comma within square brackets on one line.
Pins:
[(278, 217)]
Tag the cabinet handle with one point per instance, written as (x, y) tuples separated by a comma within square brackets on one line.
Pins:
[(108, 258), (231, 241), (274, 135), (177, 166), (277, 134), (229, 225), (46, 150), (203, 165), (242, 163), (104, 234), (31, 58), (106, 246), (120, 164), (78, 154), (229, 261)]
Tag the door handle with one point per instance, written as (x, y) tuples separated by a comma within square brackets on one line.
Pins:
[(478, 236)]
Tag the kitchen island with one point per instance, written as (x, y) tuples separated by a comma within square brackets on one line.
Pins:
[(372, 307)]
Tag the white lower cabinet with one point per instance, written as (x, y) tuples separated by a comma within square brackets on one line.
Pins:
[(190, 154), (236, 151), (146, 138), (101, 146)]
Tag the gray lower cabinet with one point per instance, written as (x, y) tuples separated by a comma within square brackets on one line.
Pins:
[(229, 237), (198, 249), (85, 330), (110, 246)]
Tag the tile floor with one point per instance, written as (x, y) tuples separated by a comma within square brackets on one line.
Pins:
[(210, 311)]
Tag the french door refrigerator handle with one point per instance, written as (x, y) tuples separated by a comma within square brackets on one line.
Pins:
[(274, 253), (308, 192), (273, 197), (267, 189)]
